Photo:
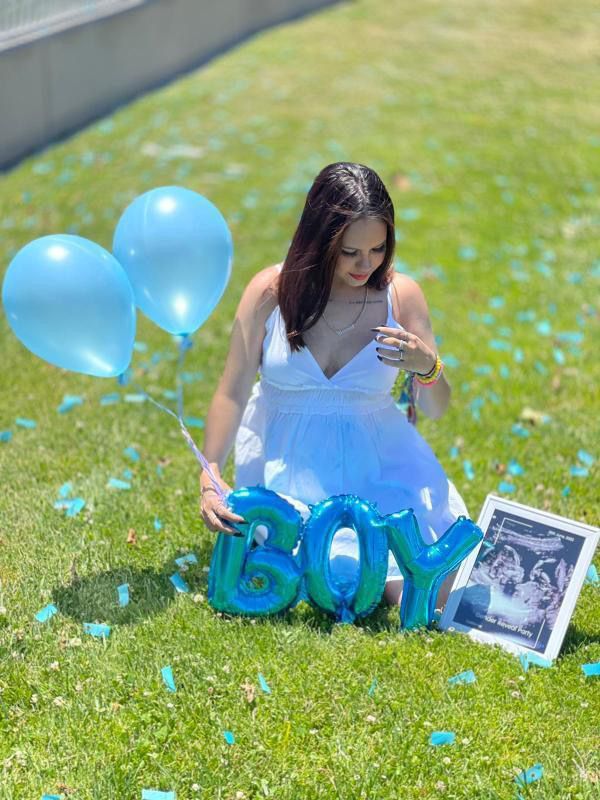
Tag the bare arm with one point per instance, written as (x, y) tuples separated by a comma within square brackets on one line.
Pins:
[(230, 398), (414, 315)]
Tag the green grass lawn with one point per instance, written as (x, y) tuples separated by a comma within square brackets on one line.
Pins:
[(482, 118)]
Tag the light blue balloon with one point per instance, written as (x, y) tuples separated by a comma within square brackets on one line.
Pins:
[(177, 250), (69, 301)]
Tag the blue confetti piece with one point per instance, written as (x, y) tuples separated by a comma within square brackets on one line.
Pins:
[(559, 356), (451, 361), (519, 430), (167, 676), (504, 371), (454, 452), (140, 347), (154, 794), (592, 576), (69, 402), (135, 398), (497, 302), (159, 470), (51, 797), (127, 474), (98, 630), (506, 488), (157, 523), (566, 491), (194, 422), (65, 490), (579, 472), (463, 677), (170, 394), (372, 687), (514, 468), (263, 684), (530, 775), (539, 367), (118, 484), (75, 506), (518, 355), (483, 369), (123, 592), (527, 659), (586, 458), (571, 337), (439, 738), (109, 399), (500, 344), (229, 737), (526, 316), (131, 453), (544, 328), (5, 436), (189, 558), (467, 253), (46, 613), (409, 214), (25, 423), (488, 319), (179, 583), (191, 377), (591, 670), (469, 472)]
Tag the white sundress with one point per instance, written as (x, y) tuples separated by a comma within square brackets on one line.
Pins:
[(308, 437)]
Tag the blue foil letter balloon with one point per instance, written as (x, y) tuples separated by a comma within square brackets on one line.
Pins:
[(256, 580), (69, 301), (345, 599), (425, 566), (177, 250)]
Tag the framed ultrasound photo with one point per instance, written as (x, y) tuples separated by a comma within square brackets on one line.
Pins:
[(518, 589)]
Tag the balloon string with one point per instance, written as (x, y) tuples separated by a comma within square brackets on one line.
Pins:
[(194, 448), (184, 346)]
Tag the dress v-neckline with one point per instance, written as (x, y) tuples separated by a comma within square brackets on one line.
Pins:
[(343, 367)]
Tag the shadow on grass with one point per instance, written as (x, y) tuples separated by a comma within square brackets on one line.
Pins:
[(95, 598), (576, 638)]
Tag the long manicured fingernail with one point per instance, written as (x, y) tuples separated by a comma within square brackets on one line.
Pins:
[(380, 358), (374, 329)]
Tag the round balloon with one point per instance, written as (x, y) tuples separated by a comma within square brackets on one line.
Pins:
[(177, 250), (69, 301)]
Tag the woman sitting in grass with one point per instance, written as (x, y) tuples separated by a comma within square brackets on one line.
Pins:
[(328, 330)]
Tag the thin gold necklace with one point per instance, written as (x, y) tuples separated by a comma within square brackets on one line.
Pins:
[(348, 327)]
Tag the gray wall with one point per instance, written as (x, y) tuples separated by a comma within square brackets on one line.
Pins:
[(54, 85)]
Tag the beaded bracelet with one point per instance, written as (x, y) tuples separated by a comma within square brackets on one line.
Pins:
[(432, 377)]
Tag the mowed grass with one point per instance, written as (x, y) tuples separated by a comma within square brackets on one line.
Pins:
[(482, 118)]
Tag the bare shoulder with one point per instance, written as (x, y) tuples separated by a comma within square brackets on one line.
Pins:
[(408, 298), (260, 295)]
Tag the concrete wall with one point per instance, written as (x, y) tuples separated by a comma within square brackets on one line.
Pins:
[(54, 85)]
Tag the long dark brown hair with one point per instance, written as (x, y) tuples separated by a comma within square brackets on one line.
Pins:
[(341, 194)]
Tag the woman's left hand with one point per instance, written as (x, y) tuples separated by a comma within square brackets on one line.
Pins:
[(404, 350)]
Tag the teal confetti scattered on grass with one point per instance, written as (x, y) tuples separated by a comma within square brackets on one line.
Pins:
[(585, 457), (527, 659), (116, 483), (167, 676), (69, 402), (155, 794), (131, 453), (469, 471), (530, 775), (25, 423), (123, 594), (51, 797), (46, 613), (179, 583), (65, 490), (135, 398), (439, 738), (467, 253), (463, 677), (519, 430), (157, 523), (5, 436), (110, 399), (559, 356), (127, 474), (591, 670), (140, 347), (99, 630), (506, 488), (75, 506), (189, 558), (566, 491), (592, 576), (263, 684), (194, 422), (229, 737), (514, 468), (372, 687), (579, 472), (504, 371)]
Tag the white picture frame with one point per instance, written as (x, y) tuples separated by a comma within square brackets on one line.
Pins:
[(519, 587)]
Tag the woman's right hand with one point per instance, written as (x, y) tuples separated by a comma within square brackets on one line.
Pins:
[(215, 512)]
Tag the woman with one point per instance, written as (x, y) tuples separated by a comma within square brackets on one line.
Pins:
[(329, 328)]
